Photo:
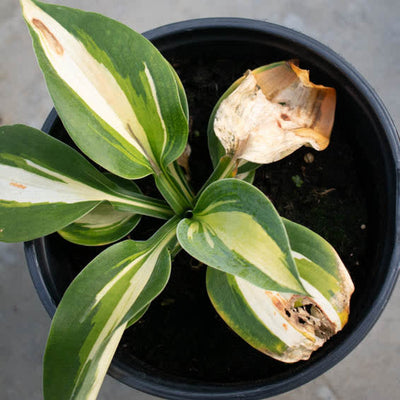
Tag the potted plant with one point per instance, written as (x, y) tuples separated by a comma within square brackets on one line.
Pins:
[(84, 305)]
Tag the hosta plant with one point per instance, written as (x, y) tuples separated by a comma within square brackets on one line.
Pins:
[(277, 284)]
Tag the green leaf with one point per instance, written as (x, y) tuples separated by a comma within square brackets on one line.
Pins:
[(284, 326), (112, 81), (106, 297), (236, 229), (45, 185), (232, 306), (174, 190), (227, 167), (102, 225), (247, 176), (137, 316), (182, 94)]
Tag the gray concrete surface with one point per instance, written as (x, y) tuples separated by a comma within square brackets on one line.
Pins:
[(365, 32)]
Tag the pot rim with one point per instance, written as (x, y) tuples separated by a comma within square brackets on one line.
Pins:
[(166, 388)]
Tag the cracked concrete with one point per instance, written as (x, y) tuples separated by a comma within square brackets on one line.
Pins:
[(365, 32)]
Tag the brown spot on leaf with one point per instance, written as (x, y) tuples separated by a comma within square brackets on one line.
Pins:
[(18, 185), (278, 302), (183, 160), (285, 117), (279, 123), (49, 37)]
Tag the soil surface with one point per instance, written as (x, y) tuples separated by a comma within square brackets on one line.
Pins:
[(181, 334)]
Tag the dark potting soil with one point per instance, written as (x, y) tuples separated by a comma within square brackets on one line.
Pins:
[(181, 334)]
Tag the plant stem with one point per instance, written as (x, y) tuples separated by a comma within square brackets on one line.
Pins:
[(176, 171), (138, 203), (174, 191), (226, 168), (167, 234)]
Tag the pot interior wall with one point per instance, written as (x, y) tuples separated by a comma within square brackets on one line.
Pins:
[(202, 349)]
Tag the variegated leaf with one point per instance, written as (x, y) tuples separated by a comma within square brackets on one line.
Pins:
[(106, 297), (247, 176), (285, 326), (236, 229), (118, 98), (320, 267), (45, 185), (182, 93), (103, 225), (137, 316)]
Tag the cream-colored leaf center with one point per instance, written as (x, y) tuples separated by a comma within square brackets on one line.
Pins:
[(23, 186), (241, 233), (87, 77)]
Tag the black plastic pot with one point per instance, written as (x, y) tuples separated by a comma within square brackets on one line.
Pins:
[(369, 129)]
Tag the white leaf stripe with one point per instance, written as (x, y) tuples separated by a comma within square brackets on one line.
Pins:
[(176, 172), (155, 97), (25, 186), (324, 304), (136, 285), (258, 249), (263, 308), (105, 359), (261, 304), (88, 78), (103, 225), (113, 220), (215, 206), (299, 256), (100, 295), (318, 296)]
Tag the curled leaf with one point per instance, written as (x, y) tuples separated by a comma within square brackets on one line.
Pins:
[(102, 225), (287, 326), (273, 111)]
